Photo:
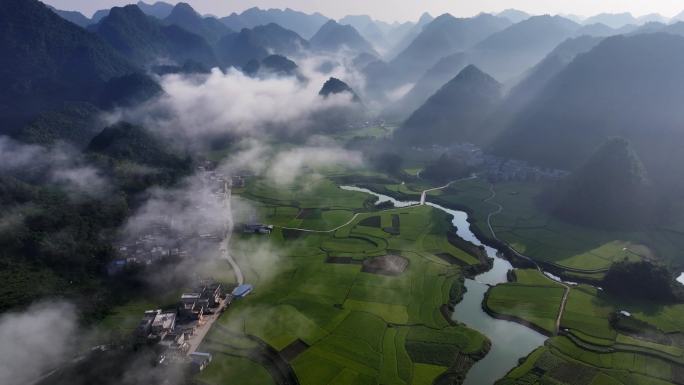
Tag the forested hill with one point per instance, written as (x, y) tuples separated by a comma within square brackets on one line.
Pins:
[(455, 113), (611, 190), (630, 86), (144, 39), (131, 143), (48, 60)]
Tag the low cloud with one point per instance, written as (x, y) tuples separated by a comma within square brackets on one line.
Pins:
[(398, 93), (239, 104), (260, 261), (285, 166), (250, 155), (199, 107), (187, 221), (288, 165), (59, 164), (35, 341), (191, 208)]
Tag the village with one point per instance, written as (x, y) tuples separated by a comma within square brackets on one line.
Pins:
[(496, 169), (175, 334)]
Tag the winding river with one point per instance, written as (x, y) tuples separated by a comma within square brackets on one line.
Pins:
[(510, 340)]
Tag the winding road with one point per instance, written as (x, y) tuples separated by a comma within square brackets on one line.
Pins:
[(196, 340), (227, 234), (423, 196), (499, 209), (322, 231)]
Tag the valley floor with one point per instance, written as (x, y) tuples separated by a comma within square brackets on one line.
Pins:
[(596, 339), (335, 307), (363, 295)]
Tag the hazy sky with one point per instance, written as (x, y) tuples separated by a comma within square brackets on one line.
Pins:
[(391, 10)]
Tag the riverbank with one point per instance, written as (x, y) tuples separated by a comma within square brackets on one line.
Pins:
[(512, 318), (582, 314), (373, 327), (509, 340)]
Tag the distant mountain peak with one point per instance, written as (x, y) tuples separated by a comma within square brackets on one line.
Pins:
[(144, 39), (443, 18), (609, 190), (274, 64), (514, 15), (158, 9), (425, 18), (443, 36), (472, 77), (306, 25), (185, 8), (455, 113), (72, 16), (471, 71), (65, 62), (613, 20), (334, 86), (333, 36), (626, 85), (184, 16), (257, 43), (130, 10)]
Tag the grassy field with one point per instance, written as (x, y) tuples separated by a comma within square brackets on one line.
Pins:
[(360, 328), (585, 252), (123, 319), (224, 366), (668, 318), (588, 313), (592, 351), (562, 361), (531, 298)]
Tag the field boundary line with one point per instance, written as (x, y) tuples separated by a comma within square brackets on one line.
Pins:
[(498, 211), (423, 194)]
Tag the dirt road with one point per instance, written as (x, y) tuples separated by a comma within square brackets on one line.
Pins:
[(499, 209)]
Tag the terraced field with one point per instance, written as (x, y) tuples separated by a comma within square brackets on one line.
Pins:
[(349, 326), (590, 349), (336, 324), (582, 253)]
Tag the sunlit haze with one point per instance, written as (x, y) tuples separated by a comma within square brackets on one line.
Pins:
[(406, 9), (348, 192)]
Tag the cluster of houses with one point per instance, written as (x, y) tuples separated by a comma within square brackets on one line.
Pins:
[(497, 169), (160, 240), (171, 330), (509, 170), (158, 243), (173, 333), (205, 297), (367, 124), (257, 228)]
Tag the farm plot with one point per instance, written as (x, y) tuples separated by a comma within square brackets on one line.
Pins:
[(351, 300), (537, 305)]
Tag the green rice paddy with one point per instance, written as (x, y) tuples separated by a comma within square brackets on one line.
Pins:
[(358, 327)]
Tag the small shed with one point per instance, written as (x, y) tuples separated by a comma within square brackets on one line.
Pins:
[(242, 290)]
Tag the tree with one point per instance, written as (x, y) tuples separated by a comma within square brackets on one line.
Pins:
[(641, 280), (446, 168), (388, 162)]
